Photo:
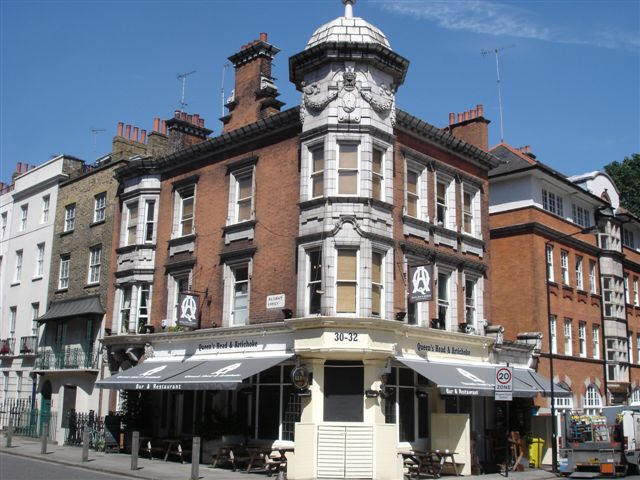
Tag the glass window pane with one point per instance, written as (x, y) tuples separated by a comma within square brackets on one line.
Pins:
[(244, 187), (377, 186), (241, 273), (346, 298), (376, 267), (187, 227), (244, 210), (412, 182), (376, 166), (443, 293), (375, 300), (347, 264), (348, 155), (317, 159), (412, 206), (268, 408), (187, 207), (406, 409), (348, 183)]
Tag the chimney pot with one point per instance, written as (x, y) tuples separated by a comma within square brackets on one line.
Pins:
[(460, 117), (127, 131), (480, 109), (263, 37), (201, 122), (120, 126), (176, 113), (143, 136), (156, 124), (452, 118), (466, 115), (474, 113), (135, 134), (164, 127), (19, 167), (196, 119), (190, 118)]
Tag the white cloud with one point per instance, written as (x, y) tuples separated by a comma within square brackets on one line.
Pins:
[(501, 19)]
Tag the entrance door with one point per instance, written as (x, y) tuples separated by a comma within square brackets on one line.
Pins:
[(68, 403), (45, 407)]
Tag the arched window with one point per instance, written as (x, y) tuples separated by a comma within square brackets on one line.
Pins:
[(592, 403), (564, 403), (635, 397)]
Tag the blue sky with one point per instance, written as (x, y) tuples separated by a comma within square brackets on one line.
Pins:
[(570, 79)]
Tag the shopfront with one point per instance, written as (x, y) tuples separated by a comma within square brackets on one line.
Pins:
[(348, 395)]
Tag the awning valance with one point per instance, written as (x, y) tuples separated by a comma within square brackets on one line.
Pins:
[(75, 307), (479, 380), (223, 373)]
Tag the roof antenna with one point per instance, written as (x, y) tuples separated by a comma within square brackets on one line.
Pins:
[(183, 77), (348, 8), (496, 51), (95, 132), (224, 71)]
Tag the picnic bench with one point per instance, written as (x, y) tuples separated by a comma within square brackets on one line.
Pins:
[(430, 462)]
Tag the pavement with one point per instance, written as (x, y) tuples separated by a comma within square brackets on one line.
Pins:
[(118, 465)]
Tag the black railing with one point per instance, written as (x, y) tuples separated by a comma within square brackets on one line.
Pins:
[(67, 358), (29, 345), (27, 419), (7, 346), (77, 422)]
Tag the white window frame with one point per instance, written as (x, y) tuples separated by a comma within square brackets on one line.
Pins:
[(312, 283), (35, 314), (100, 207), (592, 402), (444, 303), (636, 294), (131, 227), (149, 223), (381, 176), (46, 203), (182, 195), (415, 170), (237, 177), (554, 337), (634, 399), (593, 284), (568, 337), (234, 282), (125, 309), (448, 182), (13, 318), (17, 274), (627, 295), (582, 338), (339, 281), (24, 214), (630, 347), (579, 272), (339, 169), (39, 270), (3, 225), (63, 273), (95, 261), (313, 174), (564, 266), (473, 307), (380, 285), (552, 202), (475, 220), (70, 217), (139, 308), (595, 336), (549, 260)]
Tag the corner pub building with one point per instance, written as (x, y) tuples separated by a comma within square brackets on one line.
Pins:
[(291, 243)]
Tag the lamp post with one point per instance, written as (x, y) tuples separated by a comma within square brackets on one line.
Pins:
[(554, 433)]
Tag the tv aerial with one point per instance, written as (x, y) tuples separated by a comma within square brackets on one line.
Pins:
[(496, 51), (183, 78)]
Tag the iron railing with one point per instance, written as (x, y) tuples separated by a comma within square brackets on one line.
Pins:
[(27, 419), (77, 422), (7, 346), (29, 345), (67, 358)]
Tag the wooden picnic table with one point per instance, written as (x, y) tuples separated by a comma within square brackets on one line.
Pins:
[(428, 462)]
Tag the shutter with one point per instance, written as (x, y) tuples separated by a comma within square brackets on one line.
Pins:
[(331, 451), (359, 452)]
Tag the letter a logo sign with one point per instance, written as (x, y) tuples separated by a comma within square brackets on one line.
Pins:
[(420, 281), (188, 310)]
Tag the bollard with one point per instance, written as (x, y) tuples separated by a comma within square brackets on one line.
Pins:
[(85, 445), (9, 435), (195, 459), (43, 440), (135, 448)]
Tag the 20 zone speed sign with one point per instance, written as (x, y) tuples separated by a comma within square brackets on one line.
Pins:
[(504, 383)]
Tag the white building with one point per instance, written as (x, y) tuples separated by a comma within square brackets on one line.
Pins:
[(27, 214)]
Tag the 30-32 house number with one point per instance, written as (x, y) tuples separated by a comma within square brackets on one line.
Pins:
[(345, 336)]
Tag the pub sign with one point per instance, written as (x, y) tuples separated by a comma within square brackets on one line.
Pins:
[(420, 283), (188, 310)]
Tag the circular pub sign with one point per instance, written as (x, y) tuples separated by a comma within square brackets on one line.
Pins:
[(300, 378)]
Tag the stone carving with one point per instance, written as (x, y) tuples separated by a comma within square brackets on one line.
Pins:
[(349, 86), (148, 351)]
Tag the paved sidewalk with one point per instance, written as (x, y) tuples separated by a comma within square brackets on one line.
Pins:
[(119, 464)]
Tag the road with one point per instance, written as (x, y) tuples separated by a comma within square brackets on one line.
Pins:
[(20, 468)]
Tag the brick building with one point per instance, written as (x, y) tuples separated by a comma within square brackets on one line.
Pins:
[(69, 356), (290, 243), (568, 236)]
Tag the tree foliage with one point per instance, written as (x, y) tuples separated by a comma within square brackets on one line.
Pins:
[(626, 175)]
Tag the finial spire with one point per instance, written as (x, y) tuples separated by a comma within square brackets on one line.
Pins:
[(348, 8)]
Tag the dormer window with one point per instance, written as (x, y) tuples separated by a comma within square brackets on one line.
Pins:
[(552, 202)]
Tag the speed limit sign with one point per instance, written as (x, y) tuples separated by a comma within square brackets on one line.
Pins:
[(504, 383)]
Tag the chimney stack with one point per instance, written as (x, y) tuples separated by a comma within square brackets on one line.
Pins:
[(120, 127), (471, 127), (143, 136), (127, 132), (135, 134), (186, 130), (156, 124), (255, 94)]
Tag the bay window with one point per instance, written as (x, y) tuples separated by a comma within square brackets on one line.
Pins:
[(377, 174), (347, 282), (316, 168), (347, 169), (132, 222), (314, 282), (149, 226), (377, 284), (125, 309)]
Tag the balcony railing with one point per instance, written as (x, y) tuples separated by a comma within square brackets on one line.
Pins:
[(7, 346), (29, 345), (67, 358)]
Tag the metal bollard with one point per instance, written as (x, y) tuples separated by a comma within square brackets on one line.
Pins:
[(85, 445), (43, 440), (195, 459), (9, 435), (135, 449)]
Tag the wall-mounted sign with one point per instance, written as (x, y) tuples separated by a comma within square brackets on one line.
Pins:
[(445, 349), (188, 310), (275, 301), (504, 384), (420, 283), (300, 377)]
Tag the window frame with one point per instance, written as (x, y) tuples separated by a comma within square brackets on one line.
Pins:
[(474, 197), (311, 281), (100, 207), (63, 271), (592, 401), (579, 272), (13, 320), (469, 279), (568, 336), (582, 339), (627, 294), (176, 278), (593, 283), (46, 205), (549, 262), (234, 267), (35, 314), (147, 316), (95, 264), (131, 227), (17, 273), (380, 285), (70, 217), (348, 170), (380, 177), (39, 270), (3, 224), (355, 281), (126, 293), (636, 294), (24, 215), (316, 174), (552, 202), (564, 266), (553, 321), (238, 176), (444, 303), (184, 194), (448, 183), (412, 168), (149, 224), (595, 341)]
